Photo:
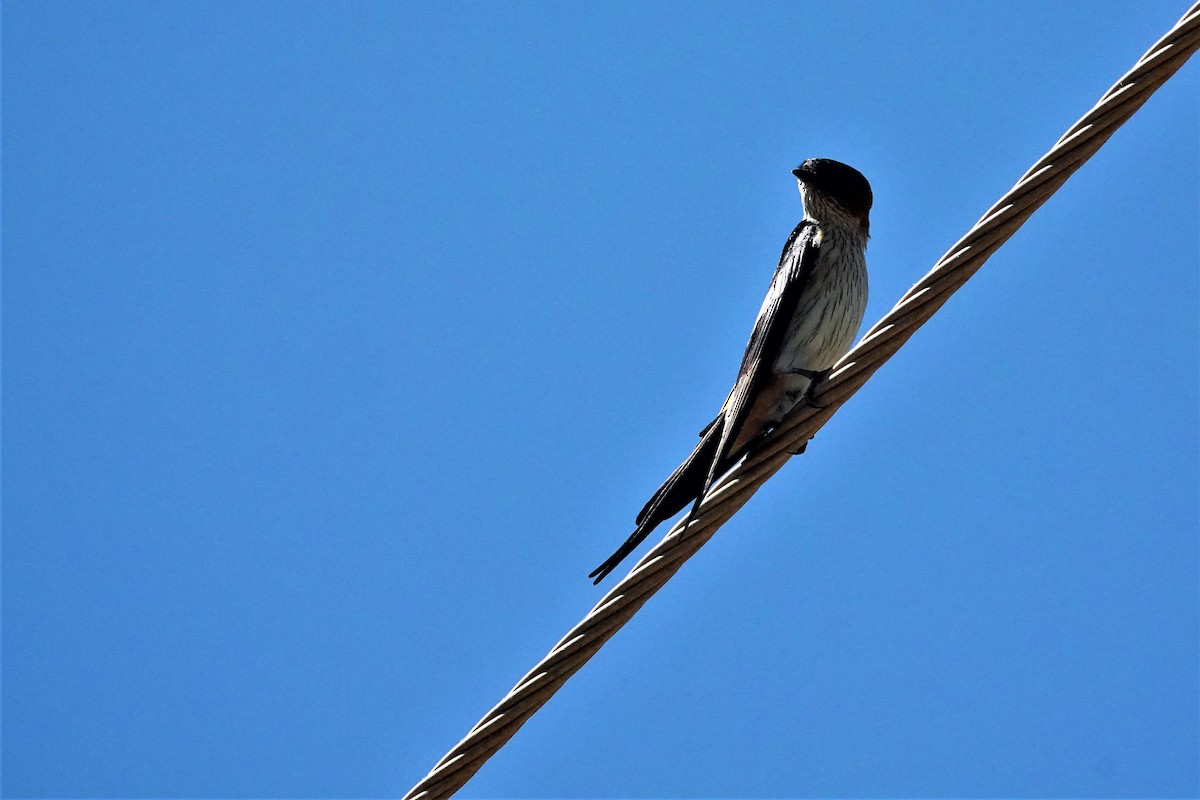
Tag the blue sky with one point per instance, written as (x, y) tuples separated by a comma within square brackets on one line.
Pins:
[(341, 341)]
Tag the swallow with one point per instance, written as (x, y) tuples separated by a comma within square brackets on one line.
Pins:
[(808, 320)]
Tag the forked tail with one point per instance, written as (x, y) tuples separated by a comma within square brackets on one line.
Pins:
[(681, 488)]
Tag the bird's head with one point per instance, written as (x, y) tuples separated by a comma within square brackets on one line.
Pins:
[(833, 190)]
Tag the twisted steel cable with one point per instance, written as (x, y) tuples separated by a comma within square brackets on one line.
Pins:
[(884, 338)]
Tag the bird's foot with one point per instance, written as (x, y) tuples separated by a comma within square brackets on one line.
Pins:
[(799, 451), (815, 378)]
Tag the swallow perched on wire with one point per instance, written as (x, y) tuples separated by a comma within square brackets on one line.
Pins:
[(807, 322)]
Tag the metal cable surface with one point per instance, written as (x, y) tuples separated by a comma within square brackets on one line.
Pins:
[(884, 338)]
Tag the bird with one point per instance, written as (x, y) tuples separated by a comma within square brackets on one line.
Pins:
[(808, 320)]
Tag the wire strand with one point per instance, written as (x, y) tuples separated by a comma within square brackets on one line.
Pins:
[(880, 342)]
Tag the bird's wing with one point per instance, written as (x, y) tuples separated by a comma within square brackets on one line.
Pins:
[(695, 475), (796, 264)]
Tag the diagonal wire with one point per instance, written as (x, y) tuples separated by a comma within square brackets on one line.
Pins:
[(884, 338)]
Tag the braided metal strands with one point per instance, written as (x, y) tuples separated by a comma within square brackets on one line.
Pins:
[(730, 493)]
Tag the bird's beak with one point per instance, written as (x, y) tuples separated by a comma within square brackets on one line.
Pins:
[(796, 172)]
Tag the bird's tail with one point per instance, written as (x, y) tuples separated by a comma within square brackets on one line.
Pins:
[(681, 488)]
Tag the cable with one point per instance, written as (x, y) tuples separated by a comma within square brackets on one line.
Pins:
[(884, 338)]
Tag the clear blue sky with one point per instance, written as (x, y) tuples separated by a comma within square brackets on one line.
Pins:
[(342, 340)]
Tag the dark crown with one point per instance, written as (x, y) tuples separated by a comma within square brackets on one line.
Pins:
[(839, 182)]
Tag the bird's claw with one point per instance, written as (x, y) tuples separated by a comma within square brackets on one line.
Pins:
[(815, 379)]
